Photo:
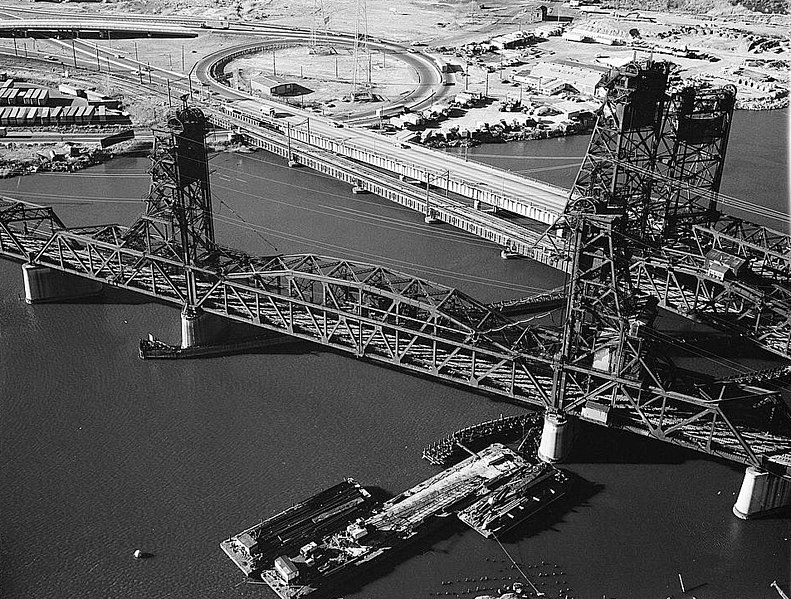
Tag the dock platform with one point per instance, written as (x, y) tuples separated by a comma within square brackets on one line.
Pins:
[(314, 545)]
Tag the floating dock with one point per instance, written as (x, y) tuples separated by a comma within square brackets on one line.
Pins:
[(314, 545)]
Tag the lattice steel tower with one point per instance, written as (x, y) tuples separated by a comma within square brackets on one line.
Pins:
[(178, 204)]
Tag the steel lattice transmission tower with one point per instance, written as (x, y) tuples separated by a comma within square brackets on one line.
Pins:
[(361, 73), (320, 43)]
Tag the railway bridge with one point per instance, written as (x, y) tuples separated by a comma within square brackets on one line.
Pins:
[(663, 160), (604, 365)]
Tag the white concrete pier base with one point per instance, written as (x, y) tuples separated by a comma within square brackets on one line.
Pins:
[(200, 328), (762, 494), (555, 438), (44, 284)]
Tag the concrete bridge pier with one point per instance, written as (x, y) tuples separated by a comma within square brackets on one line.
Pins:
[(44, 284), (762, 494), (556, 438), (199, 328)]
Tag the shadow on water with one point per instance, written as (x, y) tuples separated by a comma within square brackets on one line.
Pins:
[(114, 295), (450, 527), (444, 529), (598, 444), (714, 344), (578, 496)]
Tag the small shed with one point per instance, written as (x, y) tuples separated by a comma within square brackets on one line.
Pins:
[(287, 569), (248, 542), (720, 264), (275, 86)]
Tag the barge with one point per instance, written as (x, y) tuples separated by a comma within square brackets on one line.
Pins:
[(155, 349), (516, 500), (311, 547)]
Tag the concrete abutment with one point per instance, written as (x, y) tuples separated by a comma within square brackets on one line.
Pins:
[(762, 494), (199, 328), (556, 438), (44, 284)]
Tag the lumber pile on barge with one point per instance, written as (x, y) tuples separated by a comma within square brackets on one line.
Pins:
[(314, 545)]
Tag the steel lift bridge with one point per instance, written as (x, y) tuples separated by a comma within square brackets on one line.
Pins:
[(604, 365)]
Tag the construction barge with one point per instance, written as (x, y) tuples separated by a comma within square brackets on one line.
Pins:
[(311, 547)]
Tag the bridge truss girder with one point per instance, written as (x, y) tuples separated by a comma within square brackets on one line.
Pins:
[(390, 318), (658, 160), (682, 285)]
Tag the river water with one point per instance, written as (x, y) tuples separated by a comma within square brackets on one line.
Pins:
[(103, 453)]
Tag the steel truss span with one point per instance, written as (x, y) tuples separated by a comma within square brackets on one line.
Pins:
[(603, 360), (658, 158), (402, 321)]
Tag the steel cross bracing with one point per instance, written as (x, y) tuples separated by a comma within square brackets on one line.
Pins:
[(659, 159), (611, 358), (410, 323), (359, 308), (397, 319)]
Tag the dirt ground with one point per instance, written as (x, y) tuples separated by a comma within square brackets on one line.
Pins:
[(433, 23)]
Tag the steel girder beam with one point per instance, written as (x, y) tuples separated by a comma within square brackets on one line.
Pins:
[(691, 156), (361, 309), (748, 429), (391, 318), (768, 250), (608, 357), (682, 285)]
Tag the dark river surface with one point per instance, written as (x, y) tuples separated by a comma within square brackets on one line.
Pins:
[(103, 453)]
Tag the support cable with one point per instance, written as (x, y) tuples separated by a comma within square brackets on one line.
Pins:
[(538, 593)]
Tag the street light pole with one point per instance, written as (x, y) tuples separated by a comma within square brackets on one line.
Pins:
[(189, 79)]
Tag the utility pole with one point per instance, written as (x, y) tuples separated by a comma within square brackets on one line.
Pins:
[(170, 102), (170, 60), (73, 53), (274, 67), (486, 89), (183, 68), (15, 52), (98, 64), (137, 58), (288, 133), (428, 195)]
